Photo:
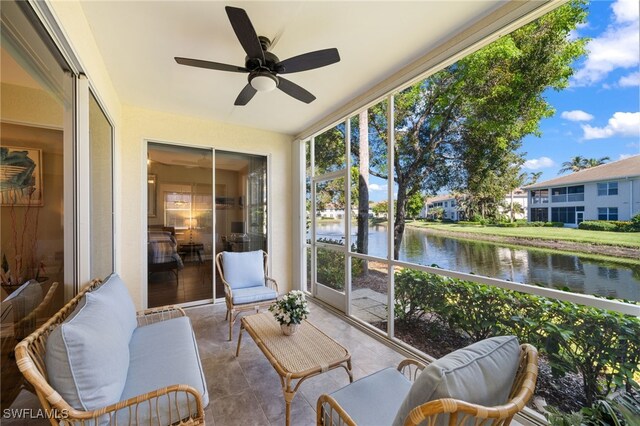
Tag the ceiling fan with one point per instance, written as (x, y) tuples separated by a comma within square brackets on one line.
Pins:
[(263, 66)]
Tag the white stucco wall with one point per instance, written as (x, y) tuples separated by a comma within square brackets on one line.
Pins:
[(134, 125)]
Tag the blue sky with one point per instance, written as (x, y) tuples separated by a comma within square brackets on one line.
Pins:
[(599, 114)]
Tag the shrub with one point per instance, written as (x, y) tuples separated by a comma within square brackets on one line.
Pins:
[(622, 225), (417, 293), (635, 223), (597, 225), (554, 224), (603, 346)]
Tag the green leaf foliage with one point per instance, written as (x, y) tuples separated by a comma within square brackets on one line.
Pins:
[(602, 346)]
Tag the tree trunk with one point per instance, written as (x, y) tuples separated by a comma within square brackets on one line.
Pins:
[(362, 244), (512, 215), (400, 217)]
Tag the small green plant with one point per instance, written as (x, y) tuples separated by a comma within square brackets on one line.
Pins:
[(291, 309), (622, 409)]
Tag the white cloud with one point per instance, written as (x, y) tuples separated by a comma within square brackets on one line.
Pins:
[(624, 156), (617, 47), (626, 11), (621, 124), (538, 163), (376, 187), (576, 115), (631, 80)]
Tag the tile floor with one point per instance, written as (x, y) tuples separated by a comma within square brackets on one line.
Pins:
[(246, 390)]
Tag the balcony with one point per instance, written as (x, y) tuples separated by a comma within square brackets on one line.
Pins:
[(246, 390)]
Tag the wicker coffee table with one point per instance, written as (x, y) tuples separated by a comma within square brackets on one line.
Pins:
[(305, 354)]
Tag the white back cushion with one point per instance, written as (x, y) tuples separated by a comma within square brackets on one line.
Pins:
[(245, 269), (481, 373)]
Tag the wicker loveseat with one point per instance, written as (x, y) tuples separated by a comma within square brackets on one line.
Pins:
[(98, 362)]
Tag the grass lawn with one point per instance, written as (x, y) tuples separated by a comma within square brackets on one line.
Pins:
[(622, 239)]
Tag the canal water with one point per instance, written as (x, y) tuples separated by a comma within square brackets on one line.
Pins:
[(531, 266)]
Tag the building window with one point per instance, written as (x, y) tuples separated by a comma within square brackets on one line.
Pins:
[(575, 193), (540, 196), (608, 188), (567, 193), (559, 195), (539, 215), (607, 213), (565, 214)]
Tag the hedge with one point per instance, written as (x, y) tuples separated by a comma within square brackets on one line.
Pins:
[(632, 225), (603, 346), (608, 225)]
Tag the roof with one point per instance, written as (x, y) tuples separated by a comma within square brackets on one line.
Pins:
[(438, 198), (629, 167)]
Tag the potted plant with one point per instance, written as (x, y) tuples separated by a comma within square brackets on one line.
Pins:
[(290, 311)]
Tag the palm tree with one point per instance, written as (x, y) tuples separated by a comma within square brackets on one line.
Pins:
[(578, 163), (592, 162)]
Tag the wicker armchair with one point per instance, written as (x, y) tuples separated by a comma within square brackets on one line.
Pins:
[(233, 287), (449, 411), (30, 357)]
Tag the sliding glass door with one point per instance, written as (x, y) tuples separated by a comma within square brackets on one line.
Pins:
[(186, 229), (180, 224)]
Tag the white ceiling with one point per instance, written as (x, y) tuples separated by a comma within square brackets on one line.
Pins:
[(138, 41)]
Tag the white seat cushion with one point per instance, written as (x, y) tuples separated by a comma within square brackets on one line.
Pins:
[(153, 349), (242, 296), (374, 399)]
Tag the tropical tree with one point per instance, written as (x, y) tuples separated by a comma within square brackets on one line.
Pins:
[(592, 162), (415, 204), (579, 162), (457, 126)]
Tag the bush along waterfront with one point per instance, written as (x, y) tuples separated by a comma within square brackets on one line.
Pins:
[(600, 347)]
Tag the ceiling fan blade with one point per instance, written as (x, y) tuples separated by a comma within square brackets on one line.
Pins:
[(309, 61), (209, 65), (295, 91), (245, 95), (245, 32)]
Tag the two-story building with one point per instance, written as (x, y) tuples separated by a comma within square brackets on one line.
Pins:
[(607, 192), (452, 211)]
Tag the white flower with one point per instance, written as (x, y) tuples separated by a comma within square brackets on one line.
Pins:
[(291, 309)]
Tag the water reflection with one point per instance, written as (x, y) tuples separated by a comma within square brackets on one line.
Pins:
[(531, 266)]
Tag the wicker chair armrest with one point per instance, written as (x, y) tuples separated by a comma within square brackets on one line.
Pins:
[(329, 409), (443, 409), (411, 368), (163, 313), (270, 282), (137, 405)]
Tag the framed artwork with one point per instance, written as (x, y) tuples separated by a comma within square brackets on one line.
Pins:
[(152, 195), (21, 176)]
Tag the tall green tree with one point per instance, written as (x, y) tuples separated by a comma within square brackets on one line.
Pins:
[(458, 125), (415, 204)]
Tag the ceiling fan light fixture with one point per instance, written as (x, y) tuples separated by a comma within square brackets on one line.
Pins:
[(263, 81)]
